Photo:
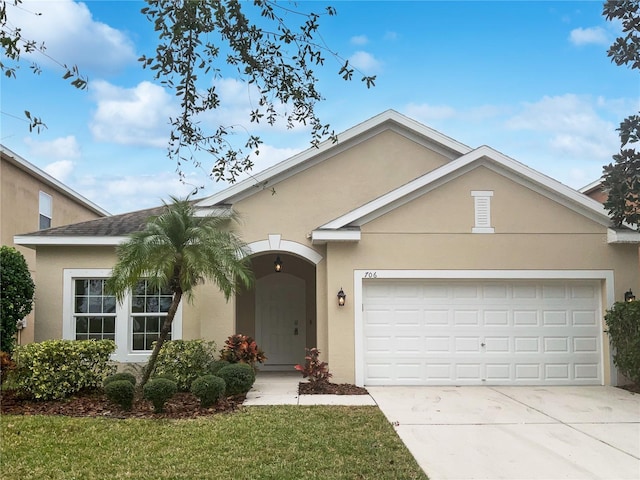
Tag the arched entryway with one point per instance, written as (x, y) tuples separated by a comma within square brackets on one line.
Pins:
[(280, 310)]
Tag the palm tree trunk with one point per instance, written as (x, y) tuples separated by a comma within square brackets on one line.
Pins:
[(164, 333)]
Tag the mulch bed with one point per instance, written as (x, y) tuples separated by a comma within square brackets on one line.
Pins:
[(326, 388), (181, 406)]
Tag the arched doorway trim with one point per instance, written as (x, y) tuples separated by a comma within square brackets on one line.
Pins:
[(275, 242)]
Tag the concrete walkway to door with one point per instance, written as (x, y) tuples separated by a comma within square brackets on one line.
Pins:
[(517, 432)]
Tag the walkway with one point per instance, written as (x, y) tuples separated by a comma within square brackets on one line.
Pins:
[(281, 388)]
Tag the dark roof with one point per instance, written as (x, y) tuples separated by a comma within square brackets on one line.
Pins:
[(113, 226)]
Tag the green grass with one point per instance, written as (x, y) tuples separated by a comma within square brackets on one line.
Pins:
[(275, 442)]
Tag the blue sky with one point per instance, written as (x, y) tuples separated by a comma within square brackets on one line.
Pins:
[(530, 79)]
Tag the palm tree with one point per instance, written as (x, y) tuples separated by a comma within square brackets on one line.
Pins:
[(176, 251)]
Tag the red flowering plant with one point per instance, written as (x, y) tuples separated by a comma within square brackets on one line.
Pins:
[(240, 348), (314, 369)]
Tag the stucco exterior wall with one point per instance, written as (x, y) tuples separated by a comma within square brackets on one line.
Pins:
[(433, 232), (19, 213)]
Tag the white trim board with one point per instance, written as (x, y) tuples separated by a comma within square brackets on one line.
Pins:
[(60, 240), (607, 276)]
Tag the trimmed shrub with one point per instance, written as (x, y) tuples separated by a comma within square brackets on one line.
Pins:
[(217, 365), (209, 389), (623, 327), (240, 348), (238, 377), (120, 392), (158, 391), (55, 369), (16, 300), (185, 360), (116, 377)]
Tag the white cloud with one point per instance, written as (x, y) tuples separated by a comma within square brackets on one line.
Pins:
[(63, 148), (60, 170), (132, 116), (426, 113), (571, 126), (366, 62), (587, 36), (359, 40), (126, 193), (72, 36), (392, 36)]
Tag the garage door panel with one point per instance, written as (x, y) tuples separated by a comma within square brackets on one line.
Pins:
[(436, 333)]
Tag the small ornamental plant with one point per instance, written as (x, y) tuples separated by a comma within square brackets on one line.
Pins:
[(158, 391), (209, 389), (316, 371), (240, 348), (238, 378), (120, 392), (116, 377)]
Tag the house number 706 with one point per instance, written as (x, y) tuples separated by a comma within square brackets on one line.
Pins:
[(370, 274)]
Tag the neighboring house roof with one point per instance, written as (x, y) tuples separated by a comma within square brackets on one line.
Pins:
[(47, 179), (587, 189)]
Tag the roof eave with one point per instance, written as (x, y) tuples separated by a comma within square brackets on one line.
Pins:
[(322, 236), (623, 236), (33, 241)]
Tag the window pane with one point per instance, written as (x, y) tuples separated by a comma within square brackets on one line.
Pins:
[(109, 325), (152, 305), (82, 336), (137, 305), (95, 286), (95, 336), (95, 305), (138, 341), (82, 325), (140, 288), (109, 304), (44, 222), (149, 341), (138, 324), (165, 303), (153, 324), (95, 324), (45, 204), (108, 336), (82, 305), (82, 287)]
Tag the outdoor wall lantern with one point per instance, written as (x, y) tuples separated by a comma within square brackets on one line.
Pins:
[(629, 296), (341, 297), (277, 265)]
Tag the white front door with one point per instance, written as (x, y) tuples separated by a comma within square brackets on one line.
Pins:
[(281, 319)]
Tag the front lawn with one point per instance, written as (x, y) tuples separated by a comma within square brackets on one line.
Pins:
[(275, 442)]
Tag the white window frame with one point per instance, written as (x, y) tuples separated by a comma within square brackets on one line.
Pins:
[(482, 211), (124, 338), (45, 200)]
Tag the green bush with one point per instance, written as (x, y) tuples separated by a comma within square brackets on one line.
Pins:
[(120, 392), (217, 365), (185, 360), (209, 389), (16, 299), (623, 325), (55, 369), (238, 377), (116, 377), (158, 391)]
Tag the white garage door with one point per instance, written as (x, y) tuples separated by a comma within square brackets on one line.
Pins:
[(482, 332)]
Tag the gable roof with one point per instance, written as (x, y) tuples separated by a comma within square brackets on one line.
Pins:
[(388, 120), (346, 227), (22, 164)]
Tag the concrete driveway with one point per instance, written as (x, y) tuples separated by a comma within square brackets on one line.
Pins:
[(517, 432)]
